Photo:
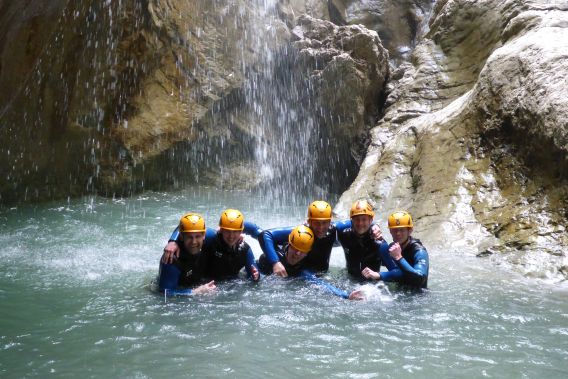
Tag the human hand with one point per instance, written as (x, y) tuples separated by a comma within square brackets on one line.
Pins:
[(370, 274), (205, 288), (171, 252), (395, 251), (357, 295), (279, 270), (254, 272), (376, 232)]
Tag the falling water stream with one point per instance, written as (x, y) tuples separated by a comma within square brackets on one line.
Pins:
[(75, 291), (76, 301)]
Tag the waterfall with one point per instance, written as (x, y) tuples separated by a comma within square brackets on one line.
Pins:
[(122, 97)]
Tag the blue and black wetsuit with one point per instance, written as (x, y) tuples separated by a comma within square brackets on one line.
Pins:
[(224, 262), (298, 270), (412, 268), (188, 270), (363, 251), (317, 260)]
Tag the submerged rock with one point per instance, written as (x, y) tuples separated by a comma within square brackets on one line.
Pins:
[(474, 139)]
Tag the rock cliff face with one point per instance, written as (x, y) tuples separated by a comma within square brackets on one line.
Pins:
[(474, 138), (96, 92), (113, 97)]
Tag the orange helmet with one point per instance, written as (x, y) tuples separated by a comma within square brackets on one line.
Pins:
[(232, 219), (301, 238), (361, 207), (400, 219), (191, 223), (319, 210)]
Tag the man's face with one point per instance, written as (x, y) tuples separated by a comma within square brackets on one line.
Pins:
[(231, 237), (294, 256), (193, 241), (320, 227), (400, 235), (361, 223)]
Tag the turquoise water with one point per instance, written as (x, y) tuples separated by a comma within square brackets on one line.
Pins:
[(75, 301)]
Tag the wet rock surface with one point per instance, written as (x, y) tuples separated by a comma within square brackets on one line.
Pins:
[(161, 93), (103, 92), (347, 67), (398, 23), (473, 141)]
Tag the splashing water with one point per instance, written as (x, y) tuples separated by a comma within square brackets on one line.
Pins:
[(76, 301)]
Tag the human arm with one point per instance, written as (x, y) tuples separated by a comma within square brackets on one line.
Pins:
[(251, 266), (168, 283), (200, 290), (393, 273), (312, 278), (342, 225), (416, 274), (252, 229), (268, 240)]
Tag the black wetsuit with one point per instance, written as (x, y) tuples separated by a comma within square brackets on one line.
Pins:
[(271, 240), (186, 271), (414, 265), (363, 251), (224, 262)]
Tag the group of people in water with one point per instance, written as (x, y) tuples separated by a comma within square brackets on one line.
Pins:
[(196, 256)]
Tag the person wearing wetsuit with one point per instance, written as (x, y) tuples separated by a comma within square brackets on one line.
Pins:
[(319, 221), (360, 248), (178, 277), (408, 253), (172, 249), (227, 254), (293, 259)]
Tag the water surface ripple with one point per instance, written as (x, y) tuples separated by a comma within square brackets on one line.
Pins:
[(76, 301)]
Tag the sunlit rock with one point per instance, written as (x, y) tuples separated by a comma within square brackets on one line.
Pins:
[(398, 23), (348, 67), (474, 138)]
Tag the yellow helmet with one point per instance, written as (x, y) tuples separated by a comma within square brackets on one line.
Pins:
[(400, 219), (191, 223), (232, 219), (361, 207), (301, 238), (319, 210)]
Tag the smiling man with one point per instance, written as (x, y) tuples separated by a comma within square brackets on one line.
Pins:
[(408, 253), (362, 251), (228, 253), (179, 277), (293, 257)]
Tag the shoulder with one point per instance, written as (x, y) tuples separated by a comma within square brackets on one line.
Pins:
[(332, 227), (345, 232), (416, 245), (278, 231), (243, 246)]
